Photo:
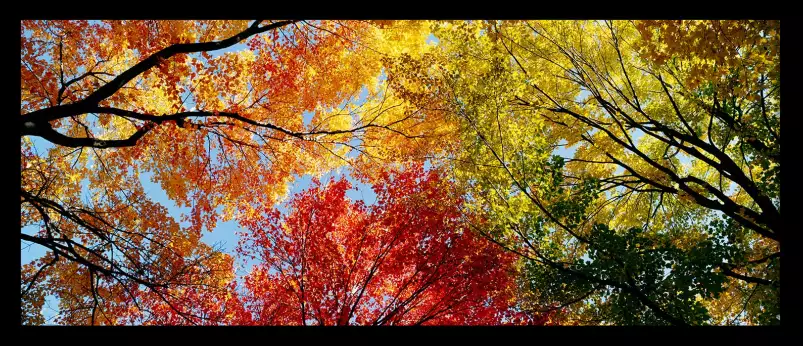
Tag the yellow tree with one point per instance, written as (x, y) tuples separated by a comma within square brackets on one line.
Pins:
[(672, 193)]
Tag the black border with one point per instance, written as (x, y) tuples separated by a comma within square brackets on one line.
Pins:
[(406, 10)]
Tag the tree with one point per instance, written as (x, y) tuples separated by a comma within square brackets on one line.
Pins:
[(222, 134), (672, 194), (408, 260)]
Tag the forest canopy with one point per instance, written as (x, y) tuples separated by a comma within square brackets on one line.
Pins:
[(545, 172)]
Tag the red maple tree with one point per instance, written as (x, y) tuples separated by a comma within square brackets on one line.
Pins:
[(407, 260)]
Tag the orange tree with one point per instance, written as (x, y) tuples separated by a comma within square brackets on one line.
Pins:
[(221, 133)]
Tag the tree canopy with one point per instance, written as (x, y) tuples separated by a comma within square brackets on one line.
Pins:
[(577, 172)]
